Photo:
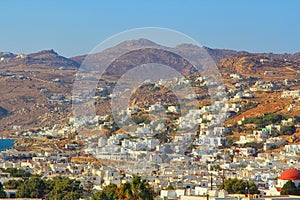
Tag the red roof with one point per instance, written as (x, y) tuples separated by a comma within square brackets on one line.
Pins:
[(290, 174)]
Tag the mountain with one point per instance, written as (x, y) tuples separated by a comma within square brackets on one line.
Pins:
[(257, 65), (184, 49), (38, 86), (32, 84), (284, 56), (127, 46), (46, 59), (110, 53), (124, 56), (148, 55), (49, 58)]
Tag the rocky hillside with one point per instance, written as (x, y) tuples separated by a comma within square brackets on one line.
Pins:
[(33, 88), (216, 54), (36, 89), (261, 66), (184, 49), (149, 55), (47, 59)]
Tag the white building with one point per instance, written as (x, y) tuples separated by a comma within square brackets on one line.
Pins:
[(292, 148), (291, 94)]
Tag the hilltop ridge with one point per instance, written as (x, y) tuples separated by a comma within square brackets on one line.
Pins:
[(38, 86)]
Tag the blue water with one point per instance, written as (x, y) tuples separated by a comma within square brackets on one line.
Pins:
[(6, 143)]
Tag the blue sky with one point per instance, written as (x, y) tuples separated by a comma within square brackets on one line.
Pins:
[(76, 27)]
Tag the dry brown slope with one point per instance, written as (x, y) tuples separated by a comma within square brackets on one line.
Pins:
[(268, 103)]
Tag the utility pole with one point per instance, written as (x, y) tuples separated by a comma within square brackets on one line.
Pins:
[(223, 179), (211, 182)]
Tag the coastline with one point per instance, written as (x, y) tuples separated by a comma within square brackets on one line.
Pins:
[(6, 143)]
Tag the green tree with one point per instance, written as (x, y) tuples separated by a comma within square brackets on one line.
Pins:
[(108, 193), (13, 184), (138, 189), (229, 142), (56, 188), (2, 192), (264, 120), (170, 187), (297, 119), (125, 192), (253, 188), (65, 188), (34, 187), (141, 188), (238, 186), (288, 130), (255, 145), (215, 167), (162, 136), (14, 172), (289, 188)]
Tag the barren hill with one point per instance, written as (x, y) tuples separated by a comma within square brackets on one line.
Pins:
[(46, 59), (264, 67), (36, 89), (149, 55), (127, 46)]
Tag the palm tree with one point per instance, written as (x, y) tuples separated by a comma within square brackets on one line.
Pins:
[(138, 189), (125, 192)]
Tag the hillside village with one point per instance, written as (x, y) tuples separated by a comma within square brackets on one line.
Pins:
[(183, 151)]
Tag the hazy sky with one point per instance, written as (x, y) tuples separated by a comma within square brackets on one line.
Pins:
[(76, 27)]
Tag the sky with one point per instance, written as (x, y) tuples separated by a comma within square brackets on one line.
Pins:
[(76, 27)]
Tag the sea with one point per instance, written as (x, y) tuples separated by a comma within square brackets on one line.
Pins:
[(6, 144)]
